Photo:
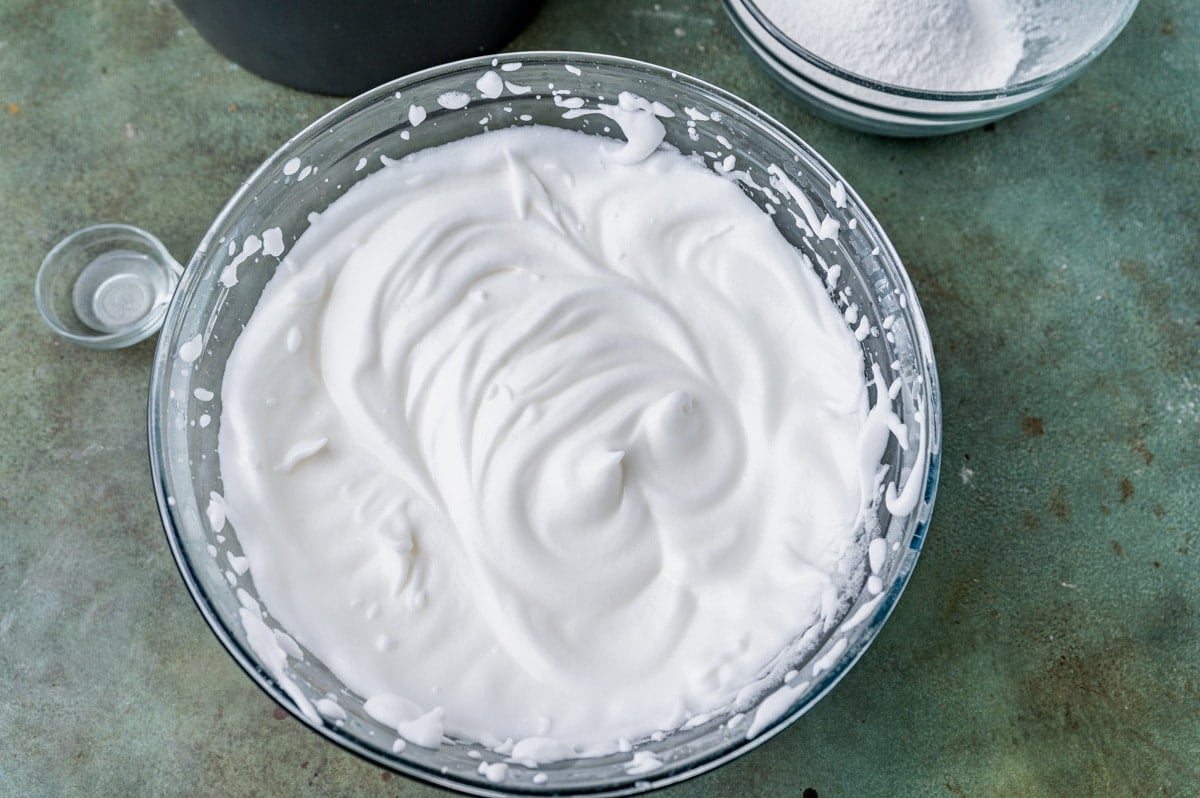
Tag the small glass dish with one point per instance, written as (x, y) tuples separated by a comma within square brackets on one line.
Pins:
[(1062, 37), (106, 286)]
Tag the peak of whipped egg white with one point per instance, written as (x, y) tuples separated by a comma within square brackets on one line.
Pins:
[(548, 442)]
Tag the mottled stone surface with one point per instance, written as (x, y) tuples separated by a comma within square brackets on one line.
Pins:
[(1049, 643)]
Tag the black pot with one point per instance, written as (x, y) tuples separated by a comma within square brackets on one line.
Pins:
[(344, 47)]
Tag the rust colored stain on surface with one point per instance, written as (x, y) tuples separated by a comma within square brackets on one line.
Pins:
[(1059, 506), (1031, 426), (1139, 446), (1126, 489)]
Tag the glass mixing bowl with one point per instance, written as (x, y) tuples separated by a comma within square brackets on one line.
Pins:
[(1062, 37), (272, 209)]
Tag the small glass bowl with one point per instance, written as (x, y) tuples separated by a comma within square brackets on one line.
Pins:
[(1068, 36), (866, 282), (106, 286)]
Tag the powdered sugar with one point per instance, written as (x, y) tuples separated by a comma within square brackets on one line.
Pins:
[(937, 45)]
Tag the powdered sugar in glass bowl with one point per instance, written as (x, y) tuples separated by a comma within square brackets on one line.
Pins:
[(925, 67)]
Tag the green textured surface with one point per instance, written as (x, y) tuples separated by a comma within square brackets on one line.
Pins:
[(1049, 642)]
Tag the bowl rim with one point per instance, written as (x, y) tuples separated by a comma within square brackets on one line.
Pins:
[(168, 343), (1051, 80)]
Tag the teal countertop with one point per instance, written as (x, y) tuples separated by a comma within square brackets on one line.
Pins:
[(1049, 641)]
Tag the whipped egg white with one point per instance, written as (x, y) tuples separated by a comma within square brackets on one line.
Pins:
[(547, 442)]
